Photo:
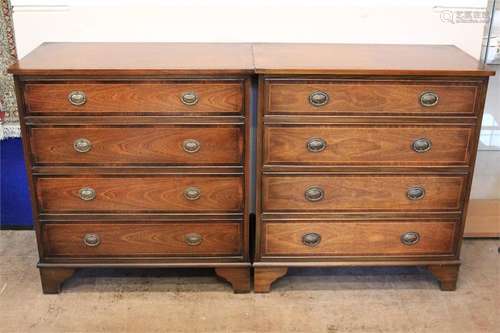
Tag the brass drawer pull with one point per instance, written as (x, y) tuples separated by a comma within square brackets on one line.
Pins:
[(87, 193), (189, 98), (91, 240), (316, 145), (191, 145), (311, 239), (428, 98), (77, 98), (415, 193), (314, 194), (318, 98), (192, 193), (193, 239), (421, 145), (410, 238), (82, 145)]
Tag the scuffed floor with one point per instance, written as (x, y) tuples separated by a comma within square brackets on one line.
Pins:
[(306, 300)]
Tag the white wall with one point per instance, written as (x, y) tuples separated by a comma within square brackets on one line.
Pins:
[(361, 21), (355, 21)]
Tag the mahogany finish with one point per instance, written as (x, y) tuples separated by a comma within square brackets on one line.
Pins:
[(368, 145), (140, 194), (163, 145), (141, 97), (365, 156), (141, 239), (357, 238), (371, 97), (367, 192), (138, 156)]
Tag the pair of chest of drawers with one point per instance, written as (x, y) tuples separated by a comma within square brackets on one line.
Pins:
[(144, 158)]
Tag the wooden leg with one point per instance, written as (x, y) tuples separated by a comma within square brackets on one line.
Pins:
[(238, 277), (265, 276), (53, 278), (447, 275)]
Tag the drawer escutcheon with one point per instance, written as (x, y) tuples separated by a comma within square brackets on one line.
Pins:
[(82, 145), (77, 98), (316, 145), (314, 193), (319, 98), (193, 239), (87, 193), (410, 238), (311, 239), (91, 240)]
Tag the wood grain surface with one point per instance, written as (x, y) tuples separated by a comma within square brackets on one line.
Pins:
[(358, 193), (138, 145), (142, 239), (371, 97), (139, 97), (358, 238), (368, 145), (141, 194)]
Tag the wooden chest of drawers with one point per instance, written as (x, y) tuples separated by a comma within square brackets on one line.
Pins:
[(138, 156), (365, 156)]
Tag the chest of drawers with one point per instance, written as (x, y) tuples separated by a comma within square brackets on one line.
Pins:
[(142, 155), (365, 156), (138, 156)]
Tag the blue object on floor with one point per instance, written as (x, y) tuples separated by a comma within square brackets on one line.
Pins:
[(15, 201)]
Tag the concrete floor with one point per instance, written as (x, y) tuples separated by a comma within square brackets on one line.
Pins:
[(306, 300)]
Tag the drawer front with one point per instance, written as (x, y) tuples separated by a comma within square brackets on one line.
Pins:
[(358, 238), (188, 193), (141, 97), (367, 192), (186, 239), (384, 145), (158, 145), (371, 97)]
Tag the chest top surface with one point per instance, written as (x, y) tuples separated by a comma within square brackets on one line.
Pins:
[(365, 59), (136, 59), (129, 59)]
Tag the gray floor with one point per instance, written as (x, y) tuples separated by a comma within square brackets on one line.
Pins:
[(306, 300)]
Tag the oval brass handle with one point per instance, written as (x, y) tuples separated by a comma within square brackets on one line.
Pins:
[(82, 145), (87, 193), (315, 145), (192, 193), (415, 193), (191, 145), (91, 240), (428, 98), (410, 238), (311, 239), (77, 98), (189, 98), (421, 145), (314, 193), (193, 239), (318, 98)]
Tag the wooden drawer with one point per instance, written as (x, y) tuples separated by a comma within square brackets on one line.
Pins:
[(370, 97), (368, 145), (363, 192), (358, 238), (137, 145), (142, 239), (140, 97), (186, 193)]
